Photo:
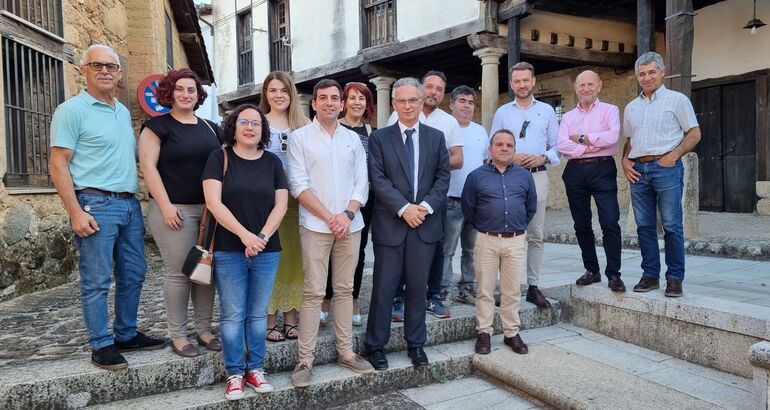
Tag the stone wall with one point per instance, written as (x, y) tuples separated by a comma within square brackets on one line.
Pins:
[(37, 249)]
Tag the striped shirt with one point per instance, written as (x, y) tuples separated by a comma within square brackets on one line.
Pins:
[(600, 125), (541, 134), (657, 125)]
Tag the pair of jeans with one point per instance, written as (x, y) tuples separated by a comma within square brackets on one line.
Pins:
[(597, 179), (120, 239), (456, 229), (659, 189), (244, 286)]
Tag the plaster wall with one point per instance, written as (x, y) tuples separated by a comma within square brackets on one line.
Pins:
[(417, 18)]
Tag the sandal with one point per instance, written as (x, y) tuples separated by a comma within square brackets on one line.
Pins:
[(290, 328), (275, 329)]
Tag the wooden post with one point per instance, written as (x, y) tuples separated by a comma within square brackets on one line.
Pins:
[(645, 26), (514, 47)]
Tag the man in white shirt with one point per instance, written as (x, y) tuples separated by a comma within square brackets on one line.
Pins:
[(327, 175), (462, 102), (434, 87)]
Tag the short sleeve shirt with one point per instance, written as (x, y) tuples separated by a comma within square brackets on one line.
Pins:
[(184, 150), (102, 140), (248, 191)]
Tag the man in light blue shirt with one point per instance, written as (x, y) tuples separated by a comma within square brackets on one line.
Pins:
[(93, 166), (661, 127), (536, 128)]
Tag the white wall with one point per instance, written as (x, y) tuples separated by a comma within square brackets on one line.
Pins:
[(209, 109), (417, 18), (722, 47), (323, 31)]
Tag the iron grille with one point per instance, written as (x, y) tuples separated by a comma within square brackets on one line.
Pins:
[(34, 86), (45, 14)]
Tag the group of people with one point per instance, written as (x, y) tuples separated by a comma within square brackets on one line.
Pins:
[(294, 200)]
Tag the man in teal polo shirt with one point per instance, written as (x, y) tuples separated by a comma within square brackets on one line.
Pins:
[(93, 167)]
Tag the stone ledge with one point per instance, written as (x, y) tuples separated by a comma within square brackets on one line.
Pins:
[(759, 355)]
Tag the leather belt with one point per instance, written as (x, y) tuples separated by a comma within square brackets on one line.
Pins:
[(589, 160), (648, 158), (537, 169), (121, 195), (456, 198), (504, 234)]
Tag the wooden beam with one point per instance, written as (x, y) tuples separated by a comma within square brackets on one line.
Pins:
[(645, 26), (514, 47), (22, 33), (572, 55), (679, 43), (508, 10), (490, 16), (481, 40)]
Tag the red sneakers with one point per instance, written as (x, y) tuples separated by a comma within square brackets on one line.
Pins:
[(256, 379), (234, 390)]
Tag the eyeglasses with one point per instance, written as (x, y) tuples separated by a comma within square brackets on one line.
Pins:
[(253, 123), (97, 66), (523, 132), (411, 101), (284, 137)]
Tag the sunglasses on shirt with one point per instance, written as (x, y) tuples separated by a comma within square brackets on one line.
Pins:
[(284, 137), (523, 132)]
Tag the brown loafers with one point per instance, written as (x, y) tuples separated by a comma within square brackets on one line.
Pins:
[(536, 297), (187, 350), (214, 344), (483, 345), (516, 344)]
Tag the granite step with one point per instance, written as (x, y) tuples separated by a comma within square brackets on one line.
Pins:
[(74, 382), (332, 385), (712, 332), (576, 368)]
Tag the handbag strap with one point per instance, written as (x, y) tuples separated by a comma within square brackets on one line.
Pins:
[(204, 216)]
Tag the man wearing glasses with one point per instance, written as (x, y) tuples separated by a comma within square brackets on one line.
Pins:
[(93, 166), (536, 127), (409, 174)]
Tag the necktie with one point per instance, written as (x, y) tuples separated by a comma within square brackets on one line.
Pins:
[(409, 153)]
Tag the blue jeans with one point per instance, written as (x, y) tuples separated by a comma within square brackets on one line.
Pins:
[(659, 188), (244, 286), (120, 239), (456, 229)]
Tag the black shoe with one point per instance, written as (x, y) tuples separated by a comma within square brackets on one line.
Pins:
[(673, 288), (377, 359), (516, 344), (647, 284), (108, 358), (536, 296), (418, 356), (140, 342), (589, 278), (483, 344), (616, 284)]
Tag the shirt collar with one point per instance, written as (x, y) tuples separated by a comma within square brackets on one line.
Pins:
[(404, 128), (532, 99), (90, 100), (654, 96), (320, 127), (493, 167), (580, 107)]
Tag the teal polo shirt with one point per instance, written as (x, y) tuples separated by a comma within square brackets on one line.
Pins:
[(102, 141)]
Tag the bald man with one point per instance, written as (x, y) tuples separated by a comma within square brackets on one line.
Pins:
[(588, 137)]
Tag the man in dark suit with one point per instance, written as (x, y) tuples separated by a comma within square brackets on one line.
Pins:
[(409, 174)]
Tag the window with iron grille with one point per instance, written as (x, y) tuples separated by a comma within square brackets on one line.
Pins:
[(280, 36), (45, 14), (33, 87), (245, 48), (379, 22), (169, 44), (552, 98)]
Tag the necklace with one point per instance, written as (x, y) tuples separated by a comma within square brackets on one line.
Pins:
[(344, 121)]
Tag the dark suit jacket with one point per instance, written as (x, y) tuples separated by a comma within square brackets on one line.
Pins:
[(392, 190)]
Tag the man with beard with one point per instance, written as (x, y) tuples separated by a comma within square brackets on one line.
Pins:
[(434, 88), (536, 128)]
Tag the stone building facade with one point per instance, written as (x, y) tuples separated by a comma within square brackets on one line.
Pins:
[(41, 44)]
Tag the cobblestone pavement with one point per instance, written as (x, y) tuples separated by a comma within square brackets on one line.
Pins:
[(48, 325)]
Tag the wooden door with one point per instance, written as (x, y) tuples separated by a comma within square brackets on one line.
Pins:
[(727, 151)]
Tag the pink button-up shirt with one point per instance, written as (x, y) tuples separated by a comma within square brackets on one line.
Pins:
[(600, 124)]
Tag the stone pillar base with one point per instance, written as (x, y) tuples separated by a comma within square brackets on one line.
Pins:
[(759, 356), (763, 192)]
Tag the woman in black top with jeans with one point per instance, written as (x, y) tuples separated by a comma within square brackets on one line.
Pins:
[(173, 149)]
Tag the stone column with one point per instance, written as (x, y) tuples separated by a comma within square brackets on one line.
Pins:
[(763, 192), (304, 103), (490, 82), (759, 356), (382, 84)]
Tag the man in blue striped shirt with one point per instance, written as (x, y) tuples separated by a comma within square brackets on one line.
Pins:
[(661, 127)]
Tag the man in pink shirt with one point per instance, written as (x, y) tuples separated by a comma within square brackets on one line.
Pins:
[(588, 136)]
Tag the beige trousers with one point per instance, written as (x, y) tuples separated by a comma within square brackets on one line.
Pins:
[(535, 230), (316, 249), (177, 288), (493, 254)]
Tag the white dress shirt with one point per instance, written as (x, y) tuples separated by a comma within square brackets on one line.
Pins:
[(416, 171), (441, 121), (333, 167)]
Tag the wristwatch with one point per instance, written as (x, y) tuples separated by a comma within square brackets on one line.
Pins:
[(262, 236), (582, 139), (349, 214)]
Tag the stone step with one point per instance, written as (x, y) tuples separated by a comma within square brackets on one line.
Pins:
[(332, 385), (576, 368), (74, 382), (724, 329)]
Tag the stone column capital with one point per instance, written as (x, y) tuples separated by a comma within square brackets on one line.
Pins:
[(382, 82), (490, 55)]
